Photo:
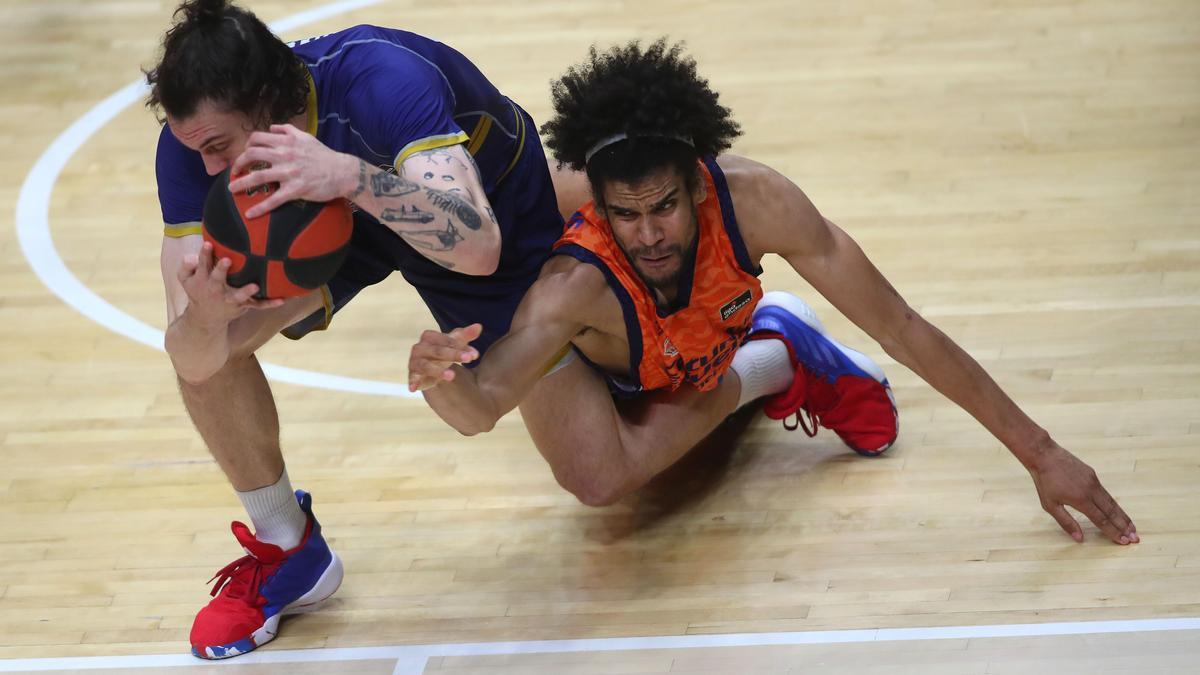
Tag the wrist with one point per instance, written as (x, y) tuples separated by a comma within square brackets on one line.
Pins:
[(1034, 449), (353, 177)]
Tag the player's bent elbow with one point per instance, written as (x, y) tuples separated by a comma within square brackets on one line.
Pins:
[(462, 419), (483, 261), (485, 265), (483, 257), (490, 261)]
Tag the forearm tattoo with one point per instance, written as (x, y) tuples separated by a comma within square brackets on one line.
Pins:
[(455, 206), (434, 240), (419, 203), (406, 214), (362, 180), (384, 184)]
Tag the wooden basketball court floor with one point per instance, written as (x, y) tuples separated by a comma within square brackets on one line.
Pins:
[(1026, 173)]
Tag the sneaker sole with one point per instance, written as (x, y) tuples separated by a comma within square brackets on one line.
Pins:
[(327, 585)]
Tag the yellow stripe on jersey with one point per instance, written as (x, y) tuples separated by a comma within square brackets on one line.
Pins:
[(479, 134), (520, 144), (181, 230), (312, 103), (327, 301), (429, 143), (560, 359)]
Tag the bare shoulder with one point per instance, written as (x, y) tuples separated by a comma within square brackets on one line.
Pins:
[(753, 183), (773, 213), (579, 278)]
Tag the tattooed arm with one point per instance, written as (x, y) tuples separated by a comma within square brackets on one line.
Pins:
[(437, 205), (437, 202)]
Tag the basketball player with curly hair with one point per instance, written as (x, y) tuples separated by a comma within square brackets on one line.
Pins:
[(652, 294)]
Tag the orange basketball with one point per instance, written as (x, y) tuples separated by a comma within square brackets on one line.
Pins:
[(290, 251)]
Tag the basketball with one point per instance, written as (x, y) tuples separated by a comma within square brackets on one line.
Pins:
[(289, 251)]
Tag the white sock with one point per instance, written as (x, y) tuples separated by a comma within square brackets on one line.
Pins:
[(764, 368), (275, 513)]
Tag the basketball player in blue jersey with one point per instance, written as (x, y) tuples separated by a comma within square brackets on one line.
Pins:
[(451, 187)]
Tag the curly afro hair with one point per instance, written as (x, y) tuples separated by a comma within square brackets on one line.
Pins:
[(654, 96), (222, 53)]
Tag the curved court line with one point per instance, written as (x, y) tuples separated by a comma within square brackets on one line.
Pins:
[(33, 229), (411, 659)]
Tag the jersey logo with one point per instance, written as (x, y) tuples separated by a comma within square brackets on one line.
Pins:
[(733, 306), (669, 348), (305, 41)]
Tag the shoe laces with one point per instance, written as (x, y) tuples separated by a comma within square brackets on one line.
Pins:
[(811, 384), (798, 418), (242, 578)]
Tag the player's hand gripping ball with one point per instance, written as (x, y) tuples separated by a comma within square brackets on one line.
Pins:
[(290, 251)]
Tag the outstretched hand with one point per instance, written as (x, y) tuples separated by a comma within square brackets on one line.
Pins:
[(432, 357), (1062, 479)]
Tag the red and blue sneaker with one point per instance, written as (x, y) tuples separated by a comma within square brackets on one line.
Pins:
[(256, 590), (834, 386)]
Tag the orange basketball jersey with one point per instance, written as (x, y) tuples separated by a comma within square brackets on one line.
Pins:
[(694, 343)]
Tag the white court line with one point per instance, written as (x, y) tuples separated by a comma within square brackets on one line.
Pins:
[(33, 228), (33, 231), (412, 658)]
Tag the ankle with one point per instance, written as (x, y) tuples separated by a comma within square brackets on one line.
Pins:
[(763, 367), (275, 513)]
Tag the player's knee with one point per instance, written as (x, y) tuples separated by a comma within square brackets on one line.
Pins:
[(200, 377), (473, 427), (590, 490), (597, 496), (195, 377)]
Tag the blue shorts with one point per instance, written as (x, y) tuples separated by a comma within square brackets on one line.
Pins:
[(527, 211)]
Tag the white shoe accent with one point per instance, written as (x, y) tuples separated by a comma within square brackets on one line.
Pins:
[(801, 310), (795, 306), (327, 585), (330, 581), (265, 633)]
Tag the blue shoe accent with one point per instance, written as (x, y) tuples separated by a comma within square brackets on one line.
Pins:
[(795, 321), (304, 567)]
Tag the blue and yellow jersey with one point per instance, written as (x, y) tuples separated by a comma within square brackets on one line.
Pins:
[(695, 343), (381, 95)]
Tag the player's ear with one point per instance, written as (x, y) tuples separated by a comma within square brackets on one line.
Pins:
[(597, 192), (699, 189)]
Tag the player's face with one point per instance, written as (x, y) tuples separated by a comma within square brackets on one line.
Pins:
[(218, 135), (654, 222)]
